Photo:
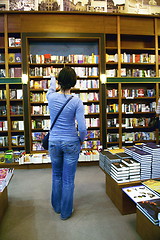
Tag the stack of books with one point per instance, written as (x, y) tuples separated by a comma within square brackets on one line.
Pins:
[(134, 166), (151, 209), (154, 149), (129, 150), (145, 160), (108, 159), (5, 176), (134, 169), (101, 160), (119, 172)]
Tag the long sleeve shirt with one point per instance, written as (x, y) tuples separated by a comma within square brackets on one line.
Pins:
[(70, 125)]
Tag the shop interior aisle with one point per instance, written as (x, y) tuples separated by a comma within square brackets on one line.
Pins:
[(30, 216)]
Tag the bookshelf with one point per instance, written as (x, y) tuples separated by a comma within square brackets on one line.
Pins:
[(116, 36), (11, 114), (130, 105), (47, 56)]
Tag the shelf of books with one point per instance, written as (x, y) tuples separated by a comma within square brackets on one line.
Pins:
[(47, 58), (11, 115), (12, 133), (131, 103), (14, 55), (130, 56)]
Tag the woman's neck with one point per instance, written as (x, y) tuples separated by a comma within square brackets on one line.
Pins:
[(65, 92)]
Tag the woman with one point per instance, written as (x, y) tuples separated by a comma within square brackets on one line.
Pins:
[(65, 140)]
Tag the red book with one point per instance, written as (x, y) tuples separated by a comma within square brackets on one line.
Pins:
[(137, 58), (140, 92), (47, 58)]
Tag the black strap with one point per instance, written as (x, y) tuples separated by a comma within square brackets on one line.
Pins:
[(60, 112)]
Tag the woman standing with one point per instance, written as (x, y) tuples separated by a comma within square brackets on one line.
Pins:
[(65, 140)]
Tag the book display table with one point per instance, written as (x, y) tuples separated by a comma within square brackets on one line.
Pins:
[(118, 197), (145, 228), (3, 202)]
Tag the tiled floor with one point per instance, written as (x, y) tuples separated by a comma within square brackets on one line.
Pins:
[(30, 216)]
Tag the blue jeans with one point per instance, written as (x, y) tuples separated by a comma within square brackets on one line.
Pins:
[(64, 157)]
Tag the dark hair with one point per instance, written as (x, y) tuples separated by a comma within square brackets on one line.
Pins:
[(67, 78)]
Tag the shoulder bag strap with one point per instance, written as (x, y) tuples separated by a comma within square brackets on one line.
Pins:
[(60, 112)]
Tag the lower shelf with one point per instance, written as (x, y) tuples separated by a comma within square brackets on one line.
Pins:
[(42, 165)]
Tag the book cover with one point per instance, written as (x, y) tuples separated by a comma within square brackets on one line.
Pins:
[(119, 166), (11, 42), (150, 209), (19, 94), (2, 58), (18, 57), (140, 193), (13, 93), (153, 184), (130, 162), (17, 42), (11, 57), (47, 58)]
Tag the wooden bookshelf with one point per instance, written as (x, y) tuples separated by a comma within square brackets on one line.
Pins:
[(115, 34), (132, 110), (69, 50), (12, 114)]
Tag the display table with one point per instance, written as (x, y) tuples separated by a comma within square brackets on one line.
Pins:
[(118, 197), (145, 228), (3, 202)]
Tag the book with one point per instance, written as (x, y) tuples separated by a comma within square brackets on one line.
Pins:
[(17, 42), (11, 42), (151, 209), (19, 94), (153, 184), (11, 57), (140, 193), (2, 58), (47, 58), (18, 57), (119, 166), (131, 162)]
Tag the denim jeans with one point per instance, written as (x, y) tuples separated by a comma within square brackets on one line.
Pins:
[(64, 157)]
